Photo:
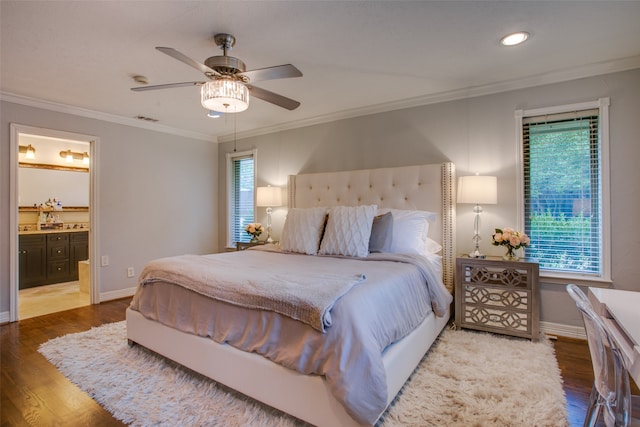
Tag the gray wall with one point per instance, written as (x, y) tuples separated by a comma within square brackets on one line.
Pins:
[(157, 191), (157, 194), (478, 135)]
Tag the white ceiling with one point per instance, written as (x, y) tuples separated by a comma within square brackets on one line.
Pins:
[(357, 57)]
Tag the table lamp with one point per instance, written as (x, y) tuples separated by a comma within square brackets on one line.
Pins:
[(269, 196), (477, 189)]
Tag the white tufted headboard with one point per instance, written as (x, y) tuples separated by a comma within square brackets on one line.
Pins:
[(426, 187)]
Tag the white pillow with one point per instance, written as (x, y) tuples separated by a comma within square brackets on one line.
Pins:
[(303, 230), (433, 247), (348, 231), (410, 229)]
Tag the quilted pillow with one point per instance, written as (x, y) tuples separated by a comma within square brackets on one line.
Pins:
[(381, 233), (348, 230), (303, 230), (410, 229)]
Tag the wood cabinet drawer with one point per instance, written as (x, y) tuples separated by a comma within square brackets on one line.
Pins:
[(58, 269), (57, 251), (62, 238)]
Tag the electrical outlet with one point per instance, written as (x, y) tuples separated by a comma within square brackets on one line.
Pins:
[(130, 272), (104, 261)]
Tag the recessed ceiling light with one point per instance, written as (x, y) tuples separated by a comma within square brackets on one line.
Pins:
[(514, 38), (214, 114)]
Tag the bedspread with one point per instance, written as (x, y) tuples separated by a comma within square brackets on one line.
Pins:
[(284, 288), (375, 313)]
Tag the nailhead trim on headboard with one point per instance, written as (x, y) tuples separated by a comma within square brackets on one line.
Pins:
[(448, 224)]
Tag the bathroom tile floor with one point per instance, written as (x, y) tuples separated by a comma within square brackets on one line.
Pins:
[(48, 299)]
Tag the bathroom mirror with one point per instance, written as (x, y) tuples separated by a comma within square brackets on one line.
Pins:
[(37, 185)]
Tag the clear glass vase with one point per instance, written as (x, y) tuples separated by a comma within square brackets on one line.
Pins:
[(510, 255)]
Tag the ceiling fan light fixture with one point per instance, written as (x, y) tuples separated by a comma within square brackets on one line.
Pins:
[(225, 95)]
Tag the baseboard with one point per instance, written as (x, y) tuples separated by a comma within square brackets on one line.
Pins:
[(122, 293), (548, 328), (558, 329), (104, 296), (4, 317)]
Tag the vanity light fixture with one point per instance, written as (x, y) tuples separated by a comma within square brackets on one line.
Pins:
[(28, 151), (514, 39), (70, 156)]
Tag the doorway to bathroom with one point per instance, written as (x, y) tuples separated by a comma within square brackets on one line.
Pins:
[(54, 184)]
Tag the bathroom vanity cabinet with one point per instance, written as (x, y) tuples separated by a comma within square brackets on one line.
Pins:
[(48, 258)]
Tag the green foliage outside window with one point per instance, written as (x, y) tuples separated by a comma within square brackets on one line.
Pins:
[(560, 242), (562, 195)]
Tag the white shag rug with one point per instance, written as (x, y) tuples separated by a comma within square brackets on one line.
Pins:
[(468, 379)]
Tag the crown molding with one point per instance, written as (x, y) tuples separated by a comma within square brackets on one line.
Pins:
[(558, 76), (98, 115)]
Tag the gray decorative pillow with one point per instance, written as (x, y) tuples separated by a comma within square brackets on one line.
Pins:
[(381, 233)]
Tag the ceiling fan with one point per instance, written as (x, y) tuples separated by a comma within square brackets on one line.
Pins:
[(229, 84)]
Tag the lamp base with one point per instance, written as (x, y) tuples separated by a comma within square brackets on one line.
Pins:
[(476, 241), (476, 254)]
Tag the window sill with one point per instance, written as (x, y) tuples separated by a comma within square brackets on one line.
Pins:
[(580, 280)]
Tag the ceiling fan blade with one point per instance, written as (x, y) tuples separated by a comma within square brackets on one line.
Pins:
[(166, 86), (271, 73), (184, 58), (274, 98)]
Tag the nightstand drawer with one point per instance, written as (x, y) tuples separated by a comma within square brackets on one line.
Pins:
[(496, 297), (495, 319)]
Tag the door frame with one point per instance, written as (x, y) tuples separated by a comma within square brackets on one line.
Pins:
[(15, 131)]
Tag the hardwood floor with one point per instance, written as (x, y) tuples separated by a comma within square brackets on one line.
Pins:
[(34, 393)]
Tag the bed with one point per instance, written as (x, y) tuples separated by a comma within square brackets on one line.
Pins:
[(294, 386)]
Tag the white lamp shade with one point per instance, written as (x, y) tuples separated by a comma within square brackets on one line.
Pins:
[(269, 196), (478, 189)]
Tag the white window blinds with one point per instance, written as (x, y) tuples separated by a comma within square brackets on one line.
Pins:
[(241, 209), (562, 191)]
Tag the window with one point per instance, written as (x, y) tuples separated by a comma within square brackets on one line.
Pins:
[(564, 163), (241, 186)]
